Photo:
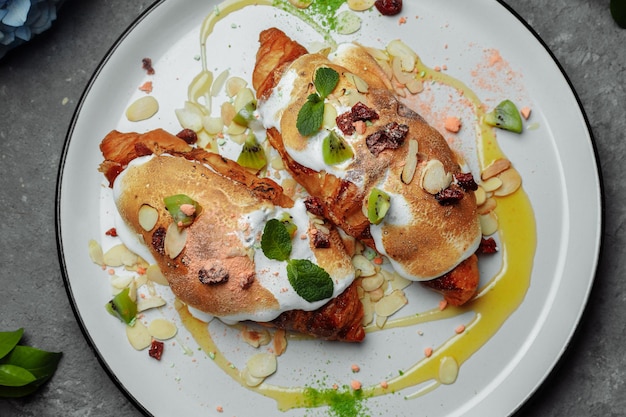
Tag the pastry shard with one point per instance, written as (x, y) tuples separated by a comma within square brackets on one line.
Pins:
[(431, 229), (211, 264)]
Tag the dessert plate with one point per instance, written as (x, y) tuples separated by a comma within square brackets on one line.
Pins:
[(555, 156)]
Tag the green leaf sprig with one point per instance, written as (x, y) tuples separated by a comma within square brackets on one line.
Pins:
[(311, 115), (310, 281), (23, 369)]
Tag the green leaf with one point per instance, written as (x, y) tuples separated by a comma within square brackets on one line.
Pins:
[(325, 81), (40, 363), (309, 280), (15, 376), (310, 117), (8, 340), (276, 241)]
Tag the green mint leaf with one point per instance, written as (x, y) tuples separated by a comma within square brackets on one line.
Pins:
[(276, 242), (310, 117), (309, 280), (8, 340), (14, 376), (325, 81)]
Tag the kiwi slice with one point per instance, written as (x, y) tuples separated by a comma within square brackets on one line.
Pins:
[(378, 204), (252, 154), (505, 116), (335, 150), (287, 220), (246, 114)]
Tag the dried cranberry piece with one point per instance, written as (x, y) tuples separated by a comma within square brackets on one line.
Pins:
[(146, 64), (449, 196), (361, 112), (156, 350), (487, 246), (188, 135), (314, 206), (466, 181), (214, 274), (391, 136), (158, 240), (388, 7), (344, 123), (111, 232)]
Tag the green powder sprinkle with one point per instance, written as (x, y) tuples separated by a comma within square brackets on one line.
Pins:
[(343, 402)]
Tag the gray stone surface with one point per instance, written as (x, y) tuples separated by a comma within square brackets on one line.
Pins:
[(36, 78)]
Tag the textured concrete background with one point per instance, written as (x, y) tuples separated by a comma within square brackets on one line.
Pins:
[(34, 80)]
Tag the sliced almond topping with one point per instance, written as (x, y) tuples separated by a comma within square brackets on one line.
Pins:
[(162, 329), (434, 177), (488, 206), (391, 303), (400, 283), (358, 82), (138, 336), (262, 365), (95, 253), (363, 265), (147, 217), (488, 223), (491, 184), (496, 167), (249, 380), (511, 181), (175, 240), (280, 342), (415, 86), (121, 282), (372, 282), (227, 112), (376, 295), (401, 75), (480, 195), (120, 255), (234, 85), (381, 321), (213, 125), (255, 338), (408, 57), (218, 83), (154, 274), (142, 109), (144, 304), (408, 171)]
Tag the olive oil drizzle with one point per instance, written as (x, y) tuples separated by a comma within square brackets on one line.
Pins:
[(493, 305)]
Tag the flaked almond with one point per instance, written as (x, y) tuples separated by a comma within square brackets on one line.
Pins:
[(249, 379), (434, 177), (408, 57), (162, 329), (402, 76), (359, 83), (234, 85), (200, 86), (120, 282), (243, 97), (368, 311), (147, 217), (488, 223), (218, 83), (415, 86), (154, 274), (148, 303), (95, 253), (280, 342), (408, 171), (227, 112), (496, 167), (491, 184), (138, 335), (370, 283), (480, 195), (212, 125), (175, 240), (120, 255), (190, 116), (254, 337), (236, 129), (262, 365), (448, 370), (391, 303), (360, 5), (399, 283), (489, 205), (365, 267), (143, 108), (511, 181), (381, 321), (377, 294)]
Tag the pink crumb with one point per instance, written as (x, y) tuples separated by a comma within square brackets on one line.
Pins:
[(355, 368), (428, 352), (525, 111), (402, 21), (453, 124), (146, 87), (219, 409), (442, 305), (384, 385), (355, 384), (188, 209), (460, 329)]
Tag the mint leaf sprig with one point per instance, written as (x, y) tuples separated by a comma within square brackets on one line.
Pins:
[(23, 369), (310, 281), (311, 115)]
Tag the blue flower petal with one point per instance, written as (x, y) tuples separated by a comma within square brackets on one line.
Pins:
[(18, 12), (8, 38), (23, 32)]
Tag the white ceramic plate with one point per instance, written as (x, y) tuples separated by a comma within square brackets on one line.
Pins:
[(556, 159)]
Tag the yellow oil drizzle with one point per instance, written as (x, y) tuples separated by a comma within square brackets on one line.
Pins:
[(496, 301)]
